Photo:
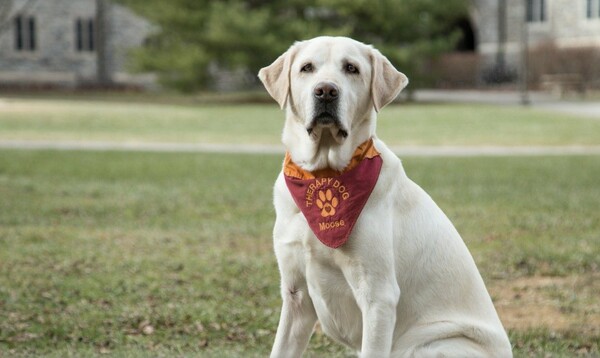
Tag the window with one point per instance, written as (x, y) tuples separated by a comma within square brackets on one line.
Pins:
[(536, 10), (84, 35), (25, 39), (592, 9)]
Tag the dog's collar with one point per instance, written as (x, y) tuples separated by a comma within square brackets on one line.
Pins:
[(331, 200)]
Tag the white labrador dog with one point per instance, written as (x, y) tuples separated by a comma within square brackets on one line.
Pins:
[(403, 284)]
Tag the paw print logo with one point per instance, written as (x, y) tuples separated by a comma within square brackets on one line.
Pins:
[(327, 203)]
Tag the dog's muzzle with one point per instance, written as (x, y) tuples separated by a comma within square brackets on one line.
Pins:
[(326, 95)]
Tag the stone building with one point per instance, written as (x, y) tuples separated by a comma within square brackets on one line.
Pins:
[(69, 43), (563, 38), (567, 26)]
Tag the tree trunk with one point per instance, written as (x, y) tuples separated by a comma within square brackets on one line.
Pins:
[(103, 72)]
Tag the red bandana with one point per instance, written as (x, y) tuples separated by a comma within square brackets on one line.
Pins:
[(332, 201)]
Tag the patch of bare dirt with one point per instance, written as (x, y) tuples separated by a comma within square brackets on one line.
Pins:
[(569, 303)]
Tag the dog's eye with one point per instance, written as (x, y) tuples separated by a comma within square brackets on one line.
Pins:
[(350, 68), (307, 68)]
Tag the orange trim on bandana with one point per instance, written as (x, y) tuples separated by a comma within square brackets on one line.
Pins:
[(366, 150)]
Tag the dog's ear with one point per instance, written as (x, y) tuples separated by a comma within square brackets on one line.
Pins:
[(276, 76), (387, 82)]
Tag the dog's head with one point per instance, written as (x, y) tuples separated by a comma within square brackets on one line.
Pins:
[(332, 83)]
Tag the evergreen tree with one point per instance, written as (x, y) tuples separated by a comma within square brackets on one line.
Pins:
[(250, 34)]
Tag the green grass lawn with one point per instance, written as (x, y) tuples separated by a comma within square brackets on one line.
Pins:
[(405, 124), (165, 254)]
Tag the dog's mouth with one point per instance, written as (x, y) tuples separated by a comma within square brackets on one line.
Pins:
[(327, 119)]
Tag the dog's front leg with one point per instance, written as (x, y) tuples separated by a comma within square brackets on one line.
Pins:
[(377, 293), (298, 316), (295, 327), (378, 305)]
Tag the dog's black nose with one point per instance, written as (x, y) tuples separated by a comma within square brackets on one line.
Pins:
[(326, 91)]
